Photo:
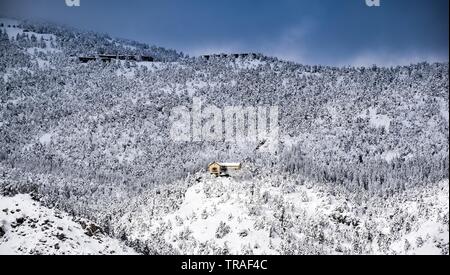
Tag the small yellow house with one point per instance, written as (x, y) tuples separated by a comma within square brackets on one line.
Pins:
[(219, 169)]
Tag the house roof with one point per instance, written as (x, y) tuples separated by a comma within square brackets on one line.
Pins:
[(229, 164), (226, 164)]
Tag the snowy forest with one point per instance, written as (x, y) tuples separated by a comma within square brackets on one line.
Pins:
[(357, 144)]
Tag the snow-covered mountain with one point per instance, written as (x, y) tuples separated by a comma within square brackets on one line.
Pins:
[(93, 140), (281, 215), (26, 227)]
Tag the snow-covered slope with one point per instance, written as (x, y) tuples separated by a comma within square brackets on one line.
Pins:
[(26, 227), (284, 216)]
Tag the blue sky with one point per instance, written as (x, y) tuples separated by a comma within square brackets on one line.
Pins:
[(328, 32)]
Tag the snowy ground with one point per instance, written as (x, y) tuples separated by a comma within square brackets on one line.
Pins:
[(234, 216), (26, 227), (269, 216), (12, 28), (431, 235), (206, 206)]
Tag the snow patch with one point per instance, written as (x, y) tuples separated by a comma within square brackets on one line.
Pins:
[(390, 155), (30, 228), (46, 139), (377, 120)]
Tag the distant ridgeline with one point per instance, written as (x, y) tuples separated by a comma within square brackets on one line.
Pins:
[(235, 56), (111, 57), (78, 43)]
